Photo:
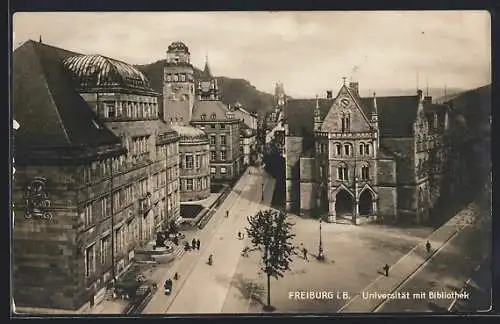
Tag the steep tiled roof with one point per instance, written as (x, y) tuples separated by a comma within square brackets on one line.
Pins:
[(365, 105), (299, 115), (46, 104), (396, 115), (209, 107)]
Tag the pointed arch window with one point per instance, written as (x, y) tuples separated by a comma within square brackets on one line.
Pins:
[(367, 149), (365, 172), (338, 149), (361, 149), (342, 172), (346, 122), (347, 149)]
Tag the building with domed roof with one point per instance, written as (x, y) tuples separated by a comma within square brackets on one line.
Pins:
[(183, 104), (97, 174)]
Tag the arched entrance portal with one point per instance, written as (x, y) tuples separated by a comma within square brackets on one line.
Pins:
[(366, 203), (344, 203)]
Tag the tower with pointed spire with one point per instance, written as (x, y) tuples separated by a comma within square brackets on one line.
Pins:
[(178, 86), (208, 88)]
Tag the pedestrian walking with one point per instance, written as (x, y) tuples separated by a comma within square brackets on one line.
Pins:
[(176, 240), (386, 270), (227, 213), (176, 276), (239, 235), (428, 247), (304, 252), (193, 244), (198, 244)]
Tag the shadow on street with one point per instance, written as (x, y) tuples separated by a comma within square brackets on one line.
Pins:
[(249, 289)]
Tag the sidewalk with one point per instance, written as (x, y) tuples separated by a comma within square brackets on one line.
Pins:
[(160, 302), (409, 263), (181, 265)]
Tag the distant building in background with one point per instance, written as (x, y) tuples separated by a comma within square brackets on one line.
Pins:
[(358, 159), (248, 142), (248, 118), (93, 164)]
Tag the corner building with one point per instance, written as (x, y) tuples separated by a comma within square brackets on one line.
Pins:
[(200, 107), (354, 159), (96, 174)]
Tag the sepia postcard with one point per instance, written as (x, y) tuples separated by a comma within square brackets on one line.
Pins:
[(315, 162)]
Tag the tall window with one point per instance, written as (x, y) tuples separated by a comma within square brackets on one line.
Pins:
[(346, 122), (223, 140), (347, 149), (367, 149), (89, 218), (361, 149), (189, 184), (109, 110), (223, 156), (342, 172), (197, 162), (90, 260), (212, 139), (105, 245), (105, 210), (338, 149), (213, 155), (365, 172), (189, 161)]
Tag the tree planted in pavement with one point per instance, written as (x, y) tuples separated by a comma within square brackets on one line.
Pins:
[(270, 232)]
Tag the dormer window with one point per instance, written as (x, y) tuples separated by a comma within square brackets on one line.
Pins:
[(176, 59), (169, 77), (213, 116), (203, 117), (176, 77)]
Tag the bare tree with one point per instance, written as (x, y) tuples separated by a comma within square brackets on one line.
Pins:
[(270, 232)]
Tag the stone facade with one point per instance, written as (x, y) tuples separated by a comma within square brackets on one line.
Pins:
[(195, 167), (199, 106), (355, 159), (81, 205)]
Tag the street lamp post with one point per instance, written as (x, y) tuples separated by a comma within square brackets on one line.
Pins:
[(321, 255)]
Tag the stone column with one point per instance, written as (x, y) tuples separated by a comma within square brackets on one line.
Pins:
[(332, 215), (356, 212)]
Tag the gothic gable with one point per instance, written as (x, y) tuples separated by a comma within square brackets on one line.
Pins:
[(347, 103)]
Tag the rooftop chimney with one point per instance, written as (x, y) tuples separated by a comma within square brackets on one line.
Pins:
[(354, 86), (329, 94)]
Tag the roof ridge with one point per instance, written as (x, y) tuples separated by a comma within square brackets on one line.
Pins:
[(47, 85)]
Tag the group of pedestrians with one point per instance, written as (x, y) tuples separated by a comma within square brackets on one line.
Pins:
[(195, 245)]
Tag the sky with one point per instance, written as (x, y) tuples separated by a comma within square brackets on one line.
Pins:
[(309, 52)]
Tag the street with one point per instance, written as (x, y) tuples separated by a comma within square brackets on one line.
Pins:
[(203, 288), (446, 272)]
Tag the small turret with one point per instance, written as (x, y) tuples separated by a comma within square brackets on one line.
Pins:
[(317, 116), (374, 115)]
